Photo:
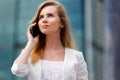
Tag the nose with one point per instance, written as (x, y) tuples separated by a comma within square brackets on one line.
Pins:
[(45, 20)]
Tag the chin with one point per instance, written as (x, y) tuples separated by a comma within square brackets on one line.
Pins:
[(45, 32)]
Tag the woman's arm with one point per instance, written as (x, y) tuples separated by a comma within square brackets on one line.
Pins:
[(20, 65), (23, 57)]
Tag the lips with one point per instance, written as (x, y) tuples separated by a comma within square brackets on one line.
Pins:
[(45, 26)]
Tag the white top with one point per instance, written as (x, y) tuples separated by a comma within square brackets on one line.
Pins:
[(73, 68), (51, 70)]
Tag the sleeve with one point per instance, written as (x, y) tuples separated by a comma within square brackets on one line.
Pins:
[(20, 69), (82, 73)]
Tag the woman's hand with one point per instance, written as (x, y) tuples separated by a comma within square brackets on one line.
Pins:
[(31, 39)]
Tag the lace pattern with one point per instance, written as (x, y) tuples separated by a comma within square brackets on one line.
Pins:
[(52, 70)]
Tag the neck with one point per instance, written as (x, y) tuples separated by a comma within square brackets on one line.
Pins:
[(53, 42)]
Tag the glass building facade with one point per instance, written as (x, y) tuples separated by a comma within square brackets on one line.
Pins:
[(94, 38)]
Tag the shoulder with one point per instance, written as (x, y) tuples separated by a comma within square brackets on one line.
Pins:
[(74, 52)]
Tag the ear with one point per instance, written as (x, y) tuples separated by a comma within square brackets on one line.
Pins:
[(61, 26)]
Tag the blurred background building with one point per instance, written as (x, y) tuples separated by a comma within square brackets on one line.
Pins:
[(94, 23), (94, 37)]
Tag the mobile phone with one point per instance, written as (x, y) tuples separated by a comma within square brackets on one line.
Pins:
[(34, 30)]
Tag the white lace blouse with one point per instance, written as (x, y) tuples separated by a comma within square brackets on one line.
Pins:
[(51, 70)]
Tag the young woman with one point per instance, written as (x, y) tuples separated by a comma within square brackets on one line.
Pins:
[(50, 55)]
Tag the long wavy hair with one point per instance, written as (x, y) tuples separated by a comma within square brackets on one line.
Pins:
[(65, 34)]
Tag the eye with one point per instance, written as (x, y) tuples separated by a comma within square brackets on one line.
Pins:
[(50, 15), (41, 16)]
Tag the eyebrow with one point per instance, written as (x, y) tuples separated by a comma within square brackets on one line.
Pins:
[(47, 13)]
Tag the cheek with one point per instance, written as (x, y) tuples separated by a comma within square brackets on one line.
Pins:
[(55, 23), (39, 24), (56, 26)]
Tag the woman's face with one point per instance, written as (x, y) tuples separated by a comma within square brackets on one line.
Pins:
[(49, 21)]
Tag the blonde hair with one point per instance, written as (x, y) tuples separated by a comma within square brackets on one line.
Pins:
[(65, 34)]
